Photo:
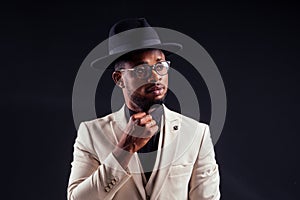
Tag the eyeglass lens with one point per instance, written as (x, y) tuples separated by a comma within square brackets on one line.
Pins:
[(144, 70)]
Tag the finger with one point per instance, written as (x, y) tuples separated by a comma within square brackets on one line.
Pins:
[(150, 123), (152, 131), (138, 115), (145, 119)]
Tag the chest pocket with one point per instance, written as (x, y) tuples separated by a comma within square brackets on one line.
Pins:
[(181, 170)]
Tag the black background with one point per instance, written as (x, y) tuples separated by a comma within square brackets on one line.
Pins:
[(254, 44)]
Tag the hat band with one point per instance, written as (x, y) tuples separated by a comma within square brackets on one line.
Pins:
[(138, 45)]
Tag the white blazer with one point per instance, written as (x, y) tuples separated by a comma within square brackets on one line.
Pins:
[(185, 166)]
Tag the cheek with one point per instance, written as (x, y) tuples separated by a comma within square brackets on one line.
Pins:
[(137, 85), (134, 85), (165, 80)]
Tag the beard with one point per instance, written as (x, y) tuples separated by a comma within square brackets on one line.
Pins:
[(143, 103)]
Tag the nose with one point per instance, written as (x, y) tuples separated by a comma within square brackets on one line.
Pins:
[(154, 77)]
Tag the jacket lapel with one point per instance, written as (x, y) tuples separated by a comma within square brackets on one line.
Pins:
[(169, 146), (118, 125)]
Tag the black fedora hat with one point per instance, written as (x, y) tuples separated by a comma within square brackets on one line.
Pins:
[(129, 35)]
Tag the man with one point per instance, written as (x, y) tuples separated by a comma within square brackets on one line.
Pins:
[(144, 150)]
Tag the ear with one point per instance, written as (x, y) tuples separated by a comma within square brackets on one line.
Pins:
[(117, 77)]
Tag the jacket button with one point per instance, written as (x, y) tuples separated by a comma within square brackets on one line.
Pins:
[(113, 182), (110, 185), (175, 128), (107, 189)]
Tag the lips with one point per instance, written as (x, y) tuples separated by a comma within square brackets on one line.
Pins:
[(155, 89)]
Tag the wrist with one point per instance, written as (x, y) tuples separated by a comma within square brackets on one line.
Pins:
[(127, 143), (122, 155)]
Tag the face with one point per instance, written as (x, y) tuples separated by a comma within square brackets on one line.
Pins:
[(141, 94)]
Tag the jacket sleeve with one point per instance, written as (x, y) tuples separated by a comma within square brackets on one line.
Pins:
[(205, 180), (90, 179)]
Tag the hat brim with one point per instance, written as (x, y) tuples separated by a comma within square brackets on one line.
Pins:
[(105, 62)]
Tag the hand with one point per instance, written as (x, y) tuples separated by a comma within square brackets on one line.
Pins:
[(139, 130)]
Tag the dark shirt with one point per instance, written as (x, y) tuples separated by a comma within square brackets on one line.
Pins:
[(152, 145)]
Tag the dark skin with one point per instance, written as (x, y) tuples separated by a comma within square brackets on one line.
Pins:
[(139, 96)]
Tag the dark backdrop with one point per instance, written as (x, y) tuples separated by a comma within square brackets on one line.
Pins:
[(255, 46)]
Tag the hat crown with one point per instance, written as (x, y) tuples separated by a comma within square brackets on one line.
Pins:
[(127, 24), (136, 33)]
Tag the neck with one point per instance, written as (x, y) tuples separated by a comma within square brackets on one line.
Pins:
[(144, 106), (137, 108)]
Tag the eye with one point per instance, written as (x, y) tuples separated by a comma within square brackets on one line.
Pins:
[(160, 67), (141, 71)]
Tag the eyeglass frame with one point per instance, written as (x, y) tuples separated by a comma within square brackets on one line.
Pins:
[(152, 67)]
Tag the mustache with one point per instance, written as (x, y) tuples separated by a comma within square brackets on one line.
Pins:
[(154, 86), (144, 103)]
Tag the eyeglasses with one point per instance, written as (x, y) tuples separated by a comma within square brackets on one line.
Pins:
[(143, 71)]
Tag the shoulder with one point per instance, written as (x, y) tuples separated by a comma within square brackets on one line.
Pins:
[(97, 132), (91, 127), (185, 120), (103, 125), (99, 122)]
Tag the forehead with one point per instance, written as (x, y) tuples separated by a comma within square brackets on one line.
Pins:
[(147, 56)]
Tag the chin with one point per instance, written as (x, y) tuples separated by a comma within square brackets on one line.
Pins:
[(145, 101), (159, 98)]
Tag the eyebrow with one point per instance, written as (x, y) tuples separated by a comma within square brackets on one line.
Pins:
[(145, 62)]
